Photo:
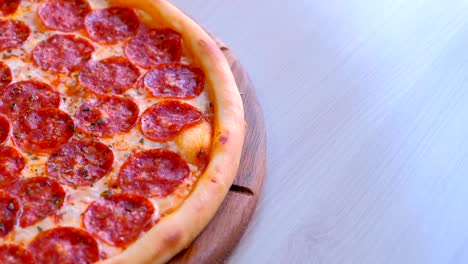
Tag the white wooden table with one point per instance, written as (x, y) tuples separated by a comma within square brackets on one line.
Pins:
[(366, 105)]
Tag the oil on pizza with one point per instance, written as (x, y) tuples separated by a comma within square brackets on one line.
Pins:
[(105, 126)]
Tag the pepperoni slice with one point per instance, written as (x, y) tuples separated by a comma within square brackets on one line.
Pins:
[(154, 46), (107, 115), (9, 208), (175, 81), (4, 129), (11, 165), (5, 75), (42, 130), (119, 219), (155, 172), (12, 34), (112, 75), (164, 120), (112, 24), (80, 163), (64, 15), (41, 197), (62, 53), (14, 254), (8, 7), (23, 97), (64, 245)]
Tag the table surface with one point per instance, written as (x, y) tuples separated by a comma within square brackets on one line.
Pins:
[(366, 108)]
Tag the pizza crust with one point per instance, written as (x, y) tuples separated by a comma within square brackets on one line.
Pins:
[(177, 230)]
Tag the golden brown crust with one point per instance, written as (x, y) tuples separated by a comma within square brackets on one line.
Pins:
[(176, 231)]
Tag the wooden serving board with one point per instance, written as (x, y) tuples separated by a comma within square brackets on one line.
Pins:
[(220, 237)]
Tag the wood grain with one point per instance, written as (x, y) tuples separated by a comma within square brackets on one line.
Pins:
[(365, 104), (223, 233)]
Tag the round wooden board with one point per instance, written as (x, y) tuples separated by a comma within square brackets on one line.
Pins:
[(220, 237)]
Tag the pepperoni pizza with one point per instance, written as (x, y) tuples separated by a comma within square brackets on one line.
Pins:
[(121, 129)]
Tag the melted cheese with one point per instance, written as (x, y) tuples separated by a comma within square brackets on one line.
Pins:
[(188, 144), (194, 141)]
